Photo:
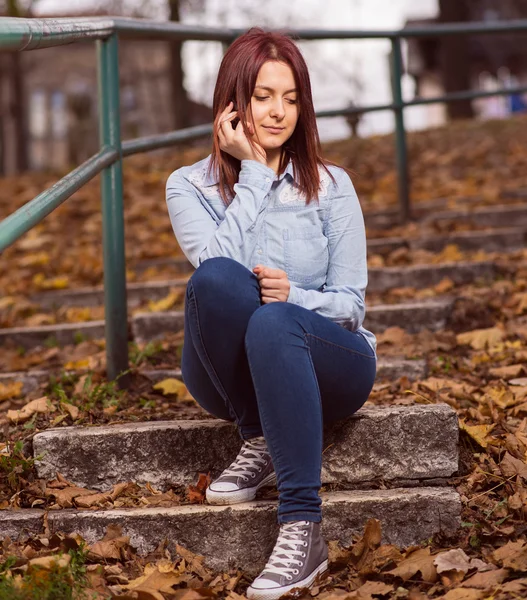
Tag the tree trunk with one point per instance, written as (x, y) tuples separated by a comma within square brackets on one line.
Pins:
[(455, 59), (180, 101), (17, 105)]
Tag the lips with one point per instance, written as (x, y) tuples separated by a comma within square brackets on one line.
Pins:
[(274, 129)]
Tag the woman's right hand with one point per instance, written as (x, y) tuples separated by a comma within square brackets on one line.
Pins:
[(234, 141)]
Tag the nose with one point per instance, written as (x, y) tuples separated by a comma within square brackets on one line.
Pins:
[(278, 109)]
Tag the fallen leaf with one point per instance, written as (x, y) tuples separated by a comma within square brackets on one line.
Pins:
[(64, 497), (40, 405), (452, 560), (171, 386), (511, 466), (479, 339), (49, 562), (464, 594), (417, 560), (487, 579), (508, 372), (478, 433), (10, 390), (165, 303), (379, 588)]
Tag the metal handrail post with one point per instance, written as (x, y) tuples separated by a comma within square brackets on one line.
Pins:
[(115, 306), (403, 188)]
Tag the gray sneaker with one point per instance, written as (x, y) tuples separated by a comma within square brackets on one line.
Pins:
[(299, 558), (251, 470)]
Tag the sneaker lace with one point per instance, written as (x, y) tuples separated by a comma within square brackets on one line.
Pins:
[(286, 549), (248, 460)]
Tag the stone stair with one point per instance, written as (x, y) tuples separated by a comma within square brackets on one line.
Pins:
[(392, 463)]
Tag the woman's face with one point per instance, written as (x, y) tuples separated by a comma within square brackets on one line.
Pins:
[(274, 105)]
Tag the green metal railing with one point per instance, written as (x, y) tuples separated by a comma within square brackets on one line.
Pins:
[(31, 34)]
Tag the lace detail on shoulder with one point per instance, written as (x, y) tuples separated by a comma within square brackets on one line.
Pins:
[(291, 193), (198, 176), (325, 180)]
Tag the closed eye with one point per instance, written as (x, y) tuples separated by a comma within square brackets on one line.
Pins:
[(262, 98)]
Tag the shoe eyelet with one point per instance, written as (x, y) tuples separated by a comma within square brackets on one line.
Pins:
[(305, 533), (303, 555), (253, 475), (289, 577), (245, 478), (260, 470), (305, 544), (296, 571)]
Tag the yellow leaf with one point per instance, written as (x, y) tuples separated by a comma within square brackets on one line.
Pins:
[(481, 338), (40, 405), (477, 432), (165, 303), (34, 260), (55, 283), (49, 562), (10, 390), (171, 386), (83, 363)]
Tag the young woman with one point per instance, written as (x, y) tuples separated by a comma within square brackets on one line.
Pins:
[(273, 313)]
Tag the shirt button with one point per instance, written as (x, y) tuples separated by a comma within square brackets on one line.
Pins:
[(267, 179), (260, 252)]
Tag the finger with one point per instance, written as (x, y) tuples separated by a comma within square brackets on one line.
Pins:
[(268, 300), (271, 284), (272, 273)]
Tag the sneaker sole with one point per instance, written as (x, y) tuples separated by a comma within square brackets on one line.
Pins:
[(274, 593), (237, 496)]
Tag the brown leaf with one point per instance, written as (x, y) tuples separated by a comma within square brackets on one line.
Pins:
[(464, 594), (487, 579), (417, 560), (478, 433), (196, 494), (452, 560), (508, 372), (92, 499), (511, 466), (479, 339), (155, 580), (10, 390), (379, 588), (64, 497), (40, 405), (369, 541)]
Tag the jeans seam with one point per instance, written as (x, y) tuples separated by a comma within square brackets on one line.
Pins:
[(341, 347), (226, 398)]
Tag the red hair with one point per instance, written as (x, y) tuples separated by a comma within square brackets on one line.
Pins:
[(236, 80)]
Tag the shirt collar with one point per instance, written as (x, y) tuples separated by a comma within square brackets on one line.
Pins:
[(213, 180)]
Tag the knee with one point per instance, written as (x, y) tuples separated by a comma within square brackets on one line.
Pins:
[(270, 321), (215, 273)]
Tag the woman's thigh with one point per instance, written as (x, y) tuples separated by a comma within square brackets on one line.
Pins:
[(344, 362)]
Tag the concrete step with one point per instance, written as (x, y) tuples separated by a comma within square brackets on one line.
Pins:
[(379, 280), (388, 369), (412, 316), (242, 536), (498, 215), (394, 443), (488, 216)]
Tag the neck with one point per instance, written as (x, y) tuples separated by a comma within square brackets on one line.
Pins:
[(273, 159)]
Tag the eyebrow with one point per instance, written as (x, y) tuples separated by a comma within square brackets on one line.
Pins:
[(270, 89)]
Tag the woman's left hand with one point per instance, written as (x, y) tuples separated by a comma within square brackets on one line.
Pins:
[(274, 284)]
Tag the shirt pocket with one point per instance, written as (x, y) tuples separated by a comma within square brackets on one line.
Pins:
[(305, 254)]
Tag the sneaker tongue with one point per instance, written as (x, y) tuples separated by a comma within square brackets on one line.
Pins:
[(258, 442)]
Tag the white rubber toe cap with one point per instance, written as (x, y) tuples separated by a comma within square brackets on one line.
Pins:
[(223, 486)]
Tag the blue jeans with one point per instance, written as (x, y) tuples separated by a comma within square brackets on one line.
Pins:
[(277, 370)]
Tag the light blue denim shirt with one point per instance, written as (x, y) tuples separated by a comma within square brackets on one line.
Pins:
[(321, 246)]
